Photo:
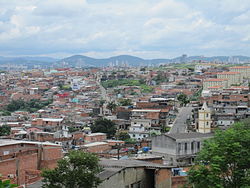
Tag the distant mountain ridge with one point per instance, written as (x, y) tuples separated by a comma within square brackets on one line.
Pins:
[(115, 60), (85, 61)]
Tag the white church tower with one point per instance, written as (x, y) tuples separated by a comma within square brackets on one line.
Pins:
[(205, 120)]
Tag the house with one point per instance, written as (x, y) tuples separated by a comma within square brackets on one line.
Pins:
[(95, 137), (145, 121), (47, 122), (179, 148), (20, 158), (97, 147), (138, 131)]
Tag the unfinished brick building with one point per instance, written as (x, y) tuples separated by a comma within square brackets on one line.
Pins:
[(21, 161)]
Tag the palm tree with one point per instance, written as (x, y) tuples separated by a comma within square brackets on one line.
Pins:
[(111, 106)]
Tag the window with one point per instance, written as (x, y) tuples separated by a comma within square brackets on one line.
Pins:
[(179, 148), (133, 135), (198, 145), (185, 147), (192, 146), (207, 115)]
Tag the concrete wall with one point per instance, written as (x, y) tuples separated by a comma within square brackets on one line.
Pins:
[(148, 178), (163, 144), (125, 178)]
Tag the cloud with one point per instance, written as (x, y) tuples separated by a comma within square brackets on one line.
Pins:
[(162, 28)]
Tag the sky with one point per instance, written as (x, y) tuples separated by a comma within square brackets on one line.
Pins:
[(144, 28)]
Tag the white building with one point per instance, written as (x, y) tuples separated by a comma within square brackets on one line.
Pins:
[(138, 132)]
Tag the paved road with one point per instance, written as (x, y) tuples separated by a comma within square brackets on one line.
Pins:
[(179, 125)]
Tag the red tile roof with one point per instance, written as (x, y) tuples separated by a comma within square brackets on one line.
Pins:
[(215, 80), (222, 73)]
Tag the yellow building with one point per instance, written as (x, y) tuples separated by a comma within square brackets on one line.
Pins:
[(244, 70), (223, 83), (205, 121), (234, 78)]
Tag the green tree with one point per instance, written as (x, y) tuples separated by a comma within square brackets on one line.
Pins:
[(224, 160), (183, 99), (6, 184), (77, 170), (111, 106), (125, 102), (104, 125), (73, 129), (5, 130), (101, 102), (31, 106), (160, 78), (123, 136)]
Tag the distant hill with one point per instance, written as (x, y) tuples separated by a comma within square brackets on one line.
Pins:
[(28, 61), (84, 61), (79, 60)]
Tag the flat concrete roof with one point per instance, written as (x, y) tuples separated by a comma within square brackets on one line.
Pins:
[(5, 142)]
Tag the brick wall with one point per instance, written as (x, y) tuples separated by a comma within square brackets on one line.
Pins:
[(24, 161), (18, 166), (96, 138), (98, 148)]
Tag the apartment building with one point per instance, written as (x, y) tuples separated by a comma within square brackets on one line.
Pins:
[(223, 83), (234, 78), (243, 70)]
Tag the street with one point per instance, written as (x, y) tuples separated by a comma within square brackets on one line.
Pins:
[(179, 125)]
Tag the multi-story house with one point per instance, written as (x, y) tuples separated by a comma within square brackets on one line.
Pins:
[(144, 122)]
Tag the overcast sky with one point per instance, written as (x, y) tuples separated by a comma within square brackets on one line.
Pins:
[(146, 28)]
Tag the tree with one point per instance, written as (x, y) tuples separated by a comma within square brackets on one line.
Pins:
[(5, 130), (224, 160), (77, 170), (125, 102), (183, 99), (111, 106), (101, 102), (6, 184), (123, 136), (73, 129), (104, 125), (30, 106)]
